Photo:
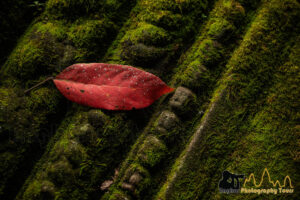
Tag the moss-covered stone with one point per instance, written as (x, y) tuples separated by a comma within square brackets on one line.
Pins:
[(183, 101), (232, 10), (119, 195), (209, 53), (243, 91), (90, 34), (147, 34), (140, 54), (151, 152), (143, 184), (158, 30), (29, 61), (73, 151), (60, 172), (85, 134), (254, 104), (67, 32), (40, 191), (221, 30), (97, 118)]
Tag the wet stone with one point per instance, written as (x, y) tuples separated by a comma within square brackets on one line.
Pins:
[(181, 99), (167, 121)]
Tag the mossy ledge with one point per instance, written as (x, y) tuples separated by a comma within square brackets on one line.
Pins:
[(107, 162), (235, 67), (49, 45), (172, 124), (240, 99)]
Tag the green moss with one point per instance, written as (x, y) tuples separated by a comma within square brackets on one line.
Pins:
[(151, 152), (147, 34), (33, 191), (195, 75), (220, 29), (47, 43), (87, 32), (157, 30), (56, 28), (24, 58), (85, 162), (43, 99), (58, 38), (61, 172), (4, 97), (232, 11), (60, 169), (209, 52), (140, 54), (32, 110), (143, 44), (118, 195), (90, 34), (251, 73), (73, 9), (272, 131), (165, 19), (37, 54), (143, 184), (73, 151), (40, 191), (21, 120), (156, 33), (203, 63), (63, 8)]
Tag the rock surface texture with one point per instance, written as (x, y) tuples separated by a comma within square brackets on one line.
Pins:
[(234, 65)]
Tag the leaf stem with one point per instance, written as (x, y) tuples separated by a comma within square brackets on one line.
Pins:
[(37, 85)]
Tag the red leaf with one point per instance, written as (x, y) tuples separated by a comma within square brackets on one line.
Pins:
[(110, 86)]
